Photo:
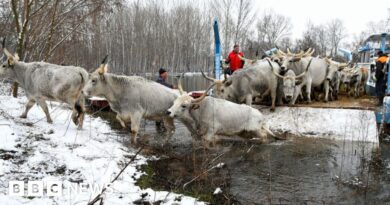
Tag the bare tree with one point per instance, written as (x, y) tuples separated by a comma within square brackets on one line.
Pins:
[(245, 17), (336, 32), (272, 28)]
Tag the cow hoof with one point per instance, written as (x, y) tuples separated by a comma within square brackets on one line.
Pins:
[(50, 121), (272, 109), (23, 116), (75, 120)]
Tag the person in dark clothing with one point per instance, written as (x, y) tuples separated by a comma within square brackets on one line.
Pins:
[(162, 78), (380, 75)]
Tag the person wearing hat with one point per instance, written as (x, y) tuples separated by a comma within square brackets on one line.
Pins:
[(162, 78), (380, 75)]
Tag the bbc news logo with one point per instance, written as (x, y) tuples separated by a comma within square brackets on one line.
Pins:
[(54, 188)]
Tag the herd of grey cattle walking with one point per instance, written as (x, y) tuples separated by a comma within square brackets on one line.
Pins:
[(134, 98)]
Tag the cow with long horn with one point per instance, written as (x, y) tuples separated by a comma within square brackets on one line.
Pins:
[(132, 98), (209, 116), (315, 76), (255, 80), (289, 82), (44, 81), (354, 79)]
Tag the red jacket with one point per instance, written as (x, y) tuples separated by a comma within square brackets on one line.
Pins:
[(235, 62)]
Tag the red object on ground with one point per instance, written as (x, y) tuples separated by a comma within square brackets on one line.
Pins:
[(99, 104), (196, 94)]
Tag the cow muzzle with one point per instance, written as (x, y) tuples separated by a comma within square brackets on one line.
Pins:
[(169, 113)]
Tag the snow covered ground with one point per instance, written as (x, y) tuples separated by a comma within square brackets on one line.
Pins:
[(31, 149), (336, 124)]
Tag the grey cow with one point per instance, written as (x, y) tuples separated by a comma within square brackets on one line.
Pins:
[(132, 98), (255, 80), (209, 116), (44, 81), (316, 71)]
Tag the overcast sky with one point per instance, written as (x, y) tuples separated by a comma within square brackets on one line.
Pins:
[(354, 13)]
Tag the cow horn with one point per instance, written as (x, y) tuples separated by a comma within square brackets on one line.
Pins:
[(179, 86), (343, 65), (301, 75), (7, 53), (207, 77), (307, 51), (273, 70), (103, 66), (300, 54), (289, 52), (3, 42), (203, 96), (329, 61), (280, 52), (312, 51), (247, 60), (104, 61)]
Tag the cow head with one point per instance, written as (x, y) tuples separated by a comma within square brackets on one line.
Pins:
[(184, 104), (96, 85), (9, 63), (333, 68), (289, 81), (222, 87), (290, 60), (349, 75)]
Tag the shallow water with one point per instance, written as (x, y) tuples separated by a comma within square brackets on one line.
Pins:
[(294, 171)]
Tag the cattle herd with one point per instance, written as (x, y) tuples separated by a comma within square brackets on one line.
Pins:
[(282, 77)]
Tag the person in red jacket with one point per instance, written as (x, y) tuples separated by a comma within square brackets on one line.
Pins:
[(234, 61)]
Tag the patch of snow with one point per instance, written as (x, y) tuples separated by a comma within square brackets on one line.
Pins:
[(219, 165), (335, 124), (217, 191), (97, 98), (45, 152)]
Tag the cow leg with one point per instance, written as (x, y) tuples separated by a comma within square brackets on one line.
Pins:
[(45, 109), (135, 123), (121, 121), (297, 92), (273, 96), (308, 91), (248, 99), (169, 124), (326, 87), (209, 138), (358, 90), (80, 107), (29, 105)]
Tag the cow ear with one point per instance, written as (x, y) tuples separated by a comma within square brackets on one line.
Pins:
[(105, 68), (11, 61), (228, 82), (194, 106), (102, 69)]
